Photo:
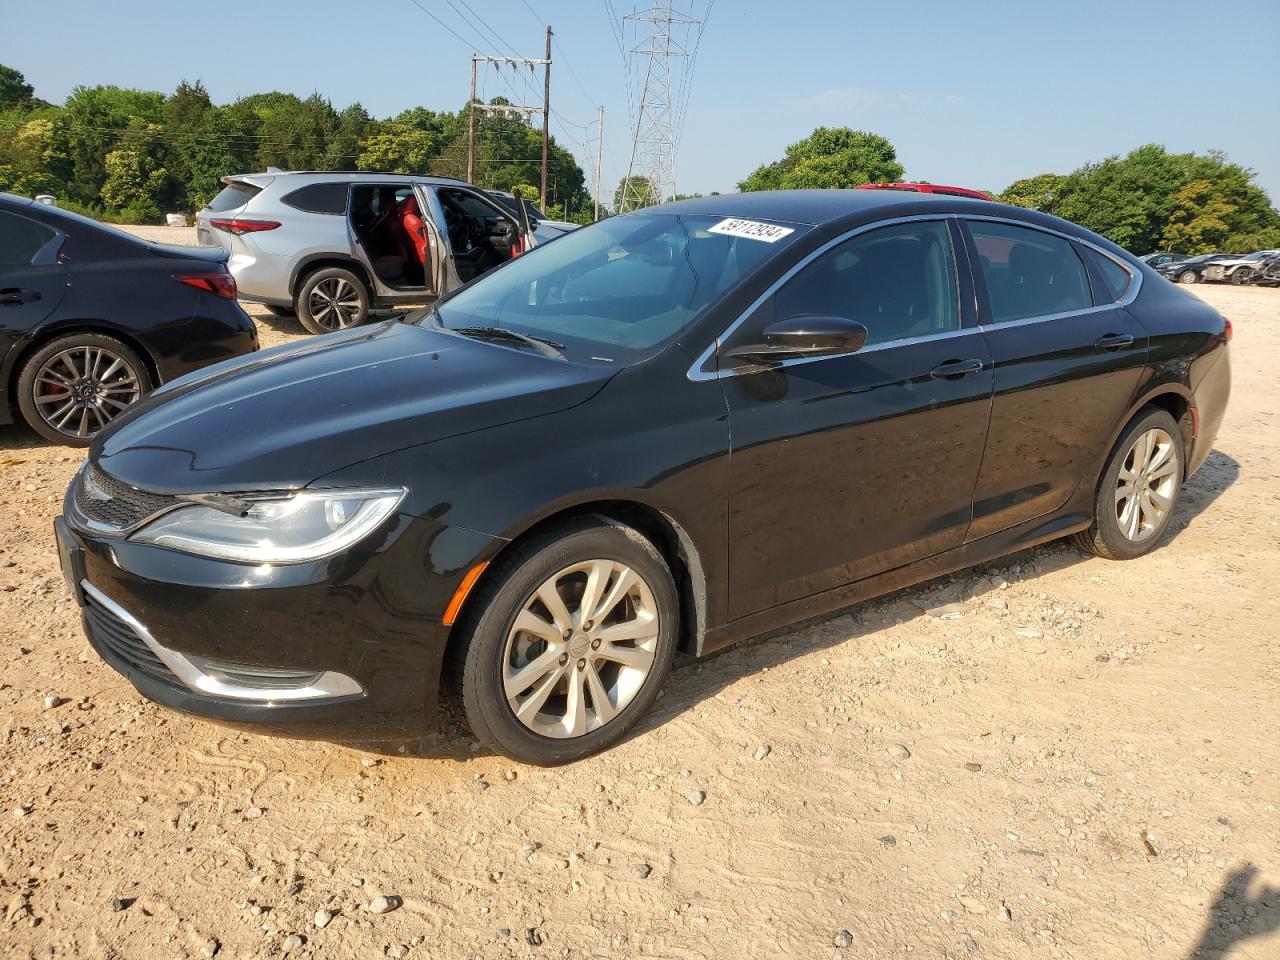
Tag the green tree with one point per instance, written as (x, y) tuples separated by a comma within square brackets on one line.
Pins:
[(134, 186), (397, 148), (14, 89), (1151, 199), (95, 118), (830, 157)]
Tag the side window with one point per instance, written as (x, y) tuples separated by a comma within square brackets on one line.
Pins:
[(1115, 278), (21, 239), (319, 198), (1029, 273), (897, 281)]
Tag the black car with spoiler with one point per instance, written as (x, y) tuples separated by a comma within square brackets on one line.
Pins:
[(93, 318)]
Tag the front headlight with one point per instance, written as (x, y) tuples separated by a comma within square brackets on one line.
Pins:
[(293, 528)]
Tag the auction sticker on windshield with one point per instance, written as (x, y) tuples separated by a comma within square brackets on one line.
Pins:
[(751, 230)]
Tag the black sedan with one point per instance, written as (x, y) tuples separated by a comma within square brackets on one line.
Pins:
[(92, 318), (662, 432)]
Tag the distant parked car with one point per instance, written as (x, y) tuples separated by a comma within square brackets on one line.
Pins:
[(1154, 260), (1238, 270), (331, 247), (92, 318), (543, 228), (1190, 270), (927, 188)]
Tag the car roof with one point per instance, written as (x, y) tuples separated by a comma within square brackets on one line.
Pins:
[(815, 207), (338, 175), (15, 200)]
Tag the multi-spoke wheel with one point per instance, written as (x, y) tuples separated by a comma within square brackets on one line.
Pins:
[(74, 386), (1139, 488), (1146, 485), (332, 299), (569, 640)]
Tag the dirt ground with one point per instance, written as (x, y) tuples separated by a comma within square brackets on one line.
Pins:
[(1084, 764)]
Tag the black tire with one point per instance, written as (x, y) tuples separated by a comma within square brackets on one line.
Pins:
[(37, 400), (1105, 538), (349, 303), (1242, 276), (503, 594), (1188, 276), (276, 311)]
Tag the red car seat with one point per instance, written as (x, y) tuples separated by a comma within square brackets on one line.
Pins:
[(411, 220)]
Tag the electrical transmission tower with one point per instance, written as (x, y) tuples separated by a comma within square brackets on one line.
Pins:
[(651, 174)]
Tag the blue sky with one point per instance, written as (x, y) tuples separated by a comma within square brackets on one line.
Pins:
[(977, 94)]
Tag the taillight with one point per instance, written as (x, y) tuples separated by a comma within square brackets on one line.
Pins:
[(239, 227), (219, 284), (1228, 331)]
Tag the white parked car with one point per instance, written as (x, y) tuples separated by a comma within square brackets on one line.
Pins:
[(1238, 270)]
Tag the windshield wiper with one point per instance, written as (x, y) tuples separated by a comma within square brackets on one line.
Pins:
[(543, 345)]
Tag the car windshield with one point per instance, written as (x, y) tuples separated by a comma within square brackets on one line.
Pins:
[(621, 289)]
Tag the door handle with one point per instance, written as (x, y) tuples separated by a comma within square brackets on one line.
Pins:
[(12, 296), (954, 369), (1113, 341)]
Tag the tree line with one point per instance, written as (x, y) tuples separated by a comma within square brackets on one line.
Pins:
[(133, 155), (1148, 200)]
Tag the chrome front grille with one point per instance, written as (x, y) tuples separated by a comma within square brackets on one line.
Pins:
[(104, 500)]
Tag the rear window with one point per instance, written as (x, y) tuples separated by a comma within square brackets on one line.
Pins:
[(1029, 273), (319, 198), (233, 195), (21, 239), (1115, 278)]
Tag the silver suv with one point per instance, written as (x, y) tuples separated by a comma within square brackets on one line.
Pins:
[(331, 247)]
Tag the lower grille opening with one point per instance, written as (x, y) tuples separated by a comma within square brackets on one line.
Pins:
[(254, 677), (117, 639)]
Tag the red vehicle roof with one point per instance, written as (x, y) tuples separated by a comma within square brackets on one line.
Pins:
[(927, 188)]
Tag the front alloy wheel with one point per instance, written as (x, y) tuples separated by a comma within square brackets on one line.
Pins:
[(581, 648), (566, 641)]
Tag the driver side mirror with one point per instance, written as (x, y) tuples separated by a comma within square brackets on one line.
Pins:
[(801, 336)]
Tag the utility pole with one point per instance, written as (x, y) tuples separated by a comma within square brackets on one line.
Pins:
[(508, 108), (546, 115), (653, 151), (599, 151), (471, 126)]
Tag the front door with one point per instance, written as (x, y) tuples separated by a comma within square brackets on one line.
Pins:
[(847, 466), (1068, 357)]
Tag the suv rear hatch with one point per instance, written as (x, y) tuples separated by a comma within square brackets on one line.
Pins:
[(235, 195)]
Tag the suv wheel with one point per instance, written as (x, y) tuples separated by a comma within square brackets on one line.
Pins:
[(332, 299), (75, 385)]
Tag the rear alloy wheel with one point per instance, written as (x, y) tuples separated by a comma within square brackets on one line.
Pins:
[(332, 299), (74, 386), (570, 642), (1139, 489), (1188, 276)]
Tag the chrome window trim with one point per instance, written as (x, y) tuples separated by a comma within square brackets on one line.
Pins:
[(696, 372), (328, 685)]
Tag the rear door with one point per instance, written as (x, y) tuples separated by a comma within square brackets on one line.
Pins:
[(32, 279), (1068, 357)]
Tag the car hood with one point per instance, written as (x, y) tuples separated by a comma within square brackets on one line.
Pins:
[(281, 418)]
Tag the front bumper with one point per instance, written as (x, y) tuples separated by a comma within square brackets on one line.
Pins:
[(348, 648)]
